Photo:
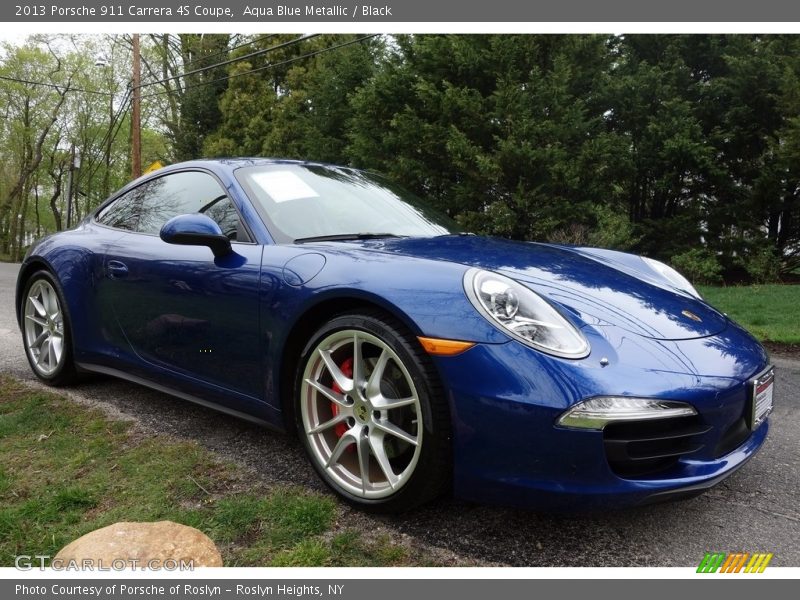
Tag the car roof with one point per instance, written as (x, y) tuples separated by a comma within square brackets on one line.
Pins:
[(216, 165), (233, 163)]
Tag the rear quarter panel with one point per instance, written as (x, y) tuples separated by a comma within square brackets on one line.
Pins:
[(75, 257)]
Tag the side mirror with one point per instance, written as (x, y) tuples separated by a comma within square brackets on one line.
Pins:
[(196, 230)]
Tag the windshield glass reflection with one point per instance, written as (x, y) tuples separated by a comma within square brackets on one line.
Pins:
[(301, 202)]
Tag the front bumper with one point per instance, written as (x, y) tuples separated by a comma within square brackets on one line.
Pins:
[(505, 400)]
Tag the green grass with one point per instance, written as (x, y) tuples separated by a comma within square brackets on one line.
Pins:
[(66, 470), (770, 312)]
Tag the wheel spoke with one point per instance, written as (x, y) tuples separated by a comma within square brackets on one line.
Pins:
[(38, 306), (363, 449), (57, 344), (392, 429), (340, 418), (358, 365), (49, 301), (328, 393), (38, 320), (376, 444), (384, 403), (37, 343), (344, 382), (44, 350), (374, 383), (338, 449), (51, 354)]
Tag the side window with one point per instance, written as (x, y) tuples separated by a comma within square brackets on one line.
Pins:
[(224, 213), (122, 213), (147, 207), (172, 195)]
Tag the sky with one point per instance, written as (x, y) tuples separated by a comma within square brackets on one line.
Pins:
[(13, 38)]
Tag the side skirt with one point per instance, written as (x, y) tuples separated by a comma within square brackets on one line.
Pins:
[(182, 395)]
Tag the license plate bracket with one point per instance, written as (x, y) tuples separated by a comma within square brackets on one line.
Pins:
[(762, 388)]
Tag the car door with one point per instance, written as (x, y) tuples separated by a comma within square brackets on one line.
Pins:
[(178, 307)]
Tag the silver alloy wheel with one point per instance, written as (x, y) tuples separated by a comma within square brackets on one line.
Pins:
[(364, 428), (44, 328)]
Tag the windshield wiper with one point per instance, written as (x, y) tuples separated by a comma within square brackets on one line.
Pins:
[(338, 237)]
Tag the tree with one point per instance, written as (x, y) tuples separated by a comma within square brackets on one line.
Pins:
[(33, 111), (54, 99), (195, 106), (504, 132), (681, 147)]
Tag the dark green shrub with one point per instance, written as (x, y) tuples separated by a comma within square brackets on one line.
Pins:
[(698, 265)]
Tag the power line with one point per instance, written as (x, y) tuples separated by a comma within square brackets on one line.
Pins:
[(149, 83), (263, 38), (123, 105), (233, 60), (270, 66), (54, 86), (111, 133), (113, 138), (214, 55), (97, 166), (112, 120), (117, 121)]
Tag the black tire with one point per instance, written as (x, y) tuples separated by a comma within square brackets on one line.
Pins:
[(431, 470), (65, 372)]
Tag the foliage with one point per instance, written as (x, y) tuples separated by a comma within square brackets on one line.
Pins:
[(64, 97), (198, 109), (762, 264), (684, 146), (699, 266)]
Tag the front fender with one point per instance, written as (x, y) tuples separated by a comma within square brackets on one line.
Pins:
[(428, 296)]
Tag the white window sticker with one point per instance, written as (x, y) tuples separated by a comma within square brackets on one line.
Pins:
[(283, 186)]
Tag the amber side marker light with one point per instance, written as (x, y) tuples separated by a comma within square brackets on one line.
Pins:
[(439, 347)]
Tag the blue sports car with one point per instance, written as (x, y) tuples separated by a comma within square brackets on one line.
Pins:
[(411, 358)]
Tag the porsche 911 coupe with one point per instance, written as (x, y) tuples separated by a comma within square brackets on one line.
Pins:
[(411, 359)]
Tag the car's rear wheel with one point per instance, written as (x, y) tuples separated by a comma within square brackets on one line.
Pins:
[(371, 414), (46, 330)]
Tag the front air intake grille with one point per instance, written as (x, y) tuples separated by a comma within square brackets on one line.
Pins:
[(642, 448), (733, 437)]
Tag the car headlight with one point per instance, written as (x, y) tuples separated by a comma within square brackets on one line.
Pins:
[(523, 314), (596, 413), (671, 275)]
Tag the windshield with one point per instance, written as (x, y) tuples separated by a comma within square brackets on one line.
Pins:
[(304, 203)]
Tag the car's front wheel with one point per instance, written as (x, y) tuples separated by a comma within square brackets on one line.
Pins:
[(46, 330), (371, 414)]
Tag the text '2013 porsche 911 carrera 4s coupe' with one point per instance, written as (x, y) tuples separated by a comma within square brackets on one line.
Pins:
[(412, 359)]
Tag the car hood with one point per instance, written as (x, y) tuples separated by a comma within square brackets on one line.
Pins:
[(599, 287)]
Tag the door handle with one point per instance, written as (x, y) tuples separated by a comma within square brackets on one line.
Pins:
[(116, 269)]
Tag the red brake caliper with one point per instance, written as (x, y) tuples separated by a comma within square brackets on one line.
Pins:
[(347, 369)]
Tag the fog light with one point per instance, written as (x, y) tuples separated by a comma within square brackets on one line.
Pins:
[(595, 413)]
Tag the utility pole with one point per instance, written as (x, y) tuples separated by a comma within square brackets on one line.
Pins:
[(136, 112)]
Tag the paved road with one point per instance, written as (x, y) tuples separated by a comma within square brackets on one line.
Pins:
[(756, 509)]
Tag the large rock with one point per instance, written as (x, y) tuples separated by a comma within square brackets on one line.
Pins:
[(140, 545)]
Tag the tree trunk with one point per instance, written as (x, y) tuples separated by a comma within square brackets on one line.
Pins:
[(22, 231), (36, 208), (33, 158), (57, 174)]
